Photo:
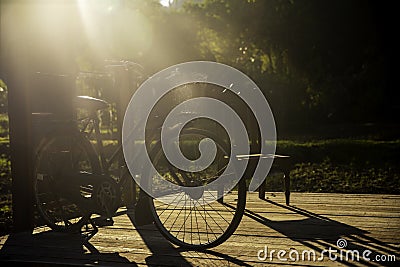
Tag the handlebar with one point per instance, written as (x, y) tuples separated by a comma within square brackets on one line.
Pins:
[(114, 65), (125, 64)]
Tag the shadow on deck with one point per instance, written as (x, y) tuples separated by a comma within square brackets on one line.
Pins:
[(316, 222)]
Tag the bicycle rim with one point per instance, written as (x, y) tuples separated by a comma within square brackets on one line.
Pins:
[(195, 223), (62, 153)]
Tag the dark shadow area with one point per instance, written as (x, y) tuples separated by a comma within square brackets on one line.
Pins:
[(163, 252), (50, 248), (56, 249), (211, 258), (166, 254), (316, 231)]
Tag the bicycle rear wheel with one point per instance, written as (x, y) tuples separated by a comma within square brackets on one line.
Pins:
[(187, 220), (61, 200)]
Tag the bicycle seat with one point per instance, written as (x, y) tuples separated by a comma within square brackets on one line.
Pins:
[(90, 103)]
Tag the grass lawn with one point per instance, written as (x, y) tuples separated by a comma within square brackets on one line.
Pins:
[(342, 165)]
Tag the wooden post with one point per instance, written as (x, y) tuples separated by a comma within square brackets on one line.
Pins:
[(35, 37), (262, 189), (15, 72), (124, 89), (21, 149)]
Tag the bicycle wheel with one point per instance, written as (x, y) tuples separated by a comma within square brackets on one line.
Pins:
[(188, 220), (62, 197)]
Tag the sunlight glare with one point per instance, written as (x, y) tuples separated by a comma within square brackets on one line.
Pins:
[(165, 3), (115, 30)]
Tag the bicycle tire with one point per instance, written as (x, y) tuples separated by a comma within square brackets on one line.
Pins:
[(204, 225), (59, 152)]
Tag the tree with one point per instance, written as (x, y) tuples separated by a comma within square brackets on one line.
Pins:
[(323, 56)]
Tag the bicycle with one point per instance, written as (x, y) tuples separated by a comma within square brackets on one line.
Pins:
[(73, 181)]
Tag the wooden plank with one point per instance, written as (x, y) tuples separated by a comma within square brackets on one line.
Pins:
[(276, 226)]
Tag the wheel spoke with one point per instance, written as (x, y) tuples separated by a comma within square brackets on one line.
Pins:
[(196, 222)]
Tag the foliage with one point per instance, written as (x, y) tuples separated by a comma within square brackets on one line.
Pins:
[(5, 192), (341, 165), (3, 97), (315, 61), (332, 178), (345, 178)]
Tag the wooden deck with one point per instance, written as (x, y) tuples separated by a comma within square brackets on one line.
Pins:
[(314, 222)]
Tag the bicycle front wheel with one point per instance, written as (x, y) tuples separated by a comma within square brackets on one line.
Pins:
[(62, 200), (187, 220)]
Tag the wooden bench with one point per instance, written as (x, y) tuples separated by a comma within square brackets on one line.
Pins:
[(281, 163)]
